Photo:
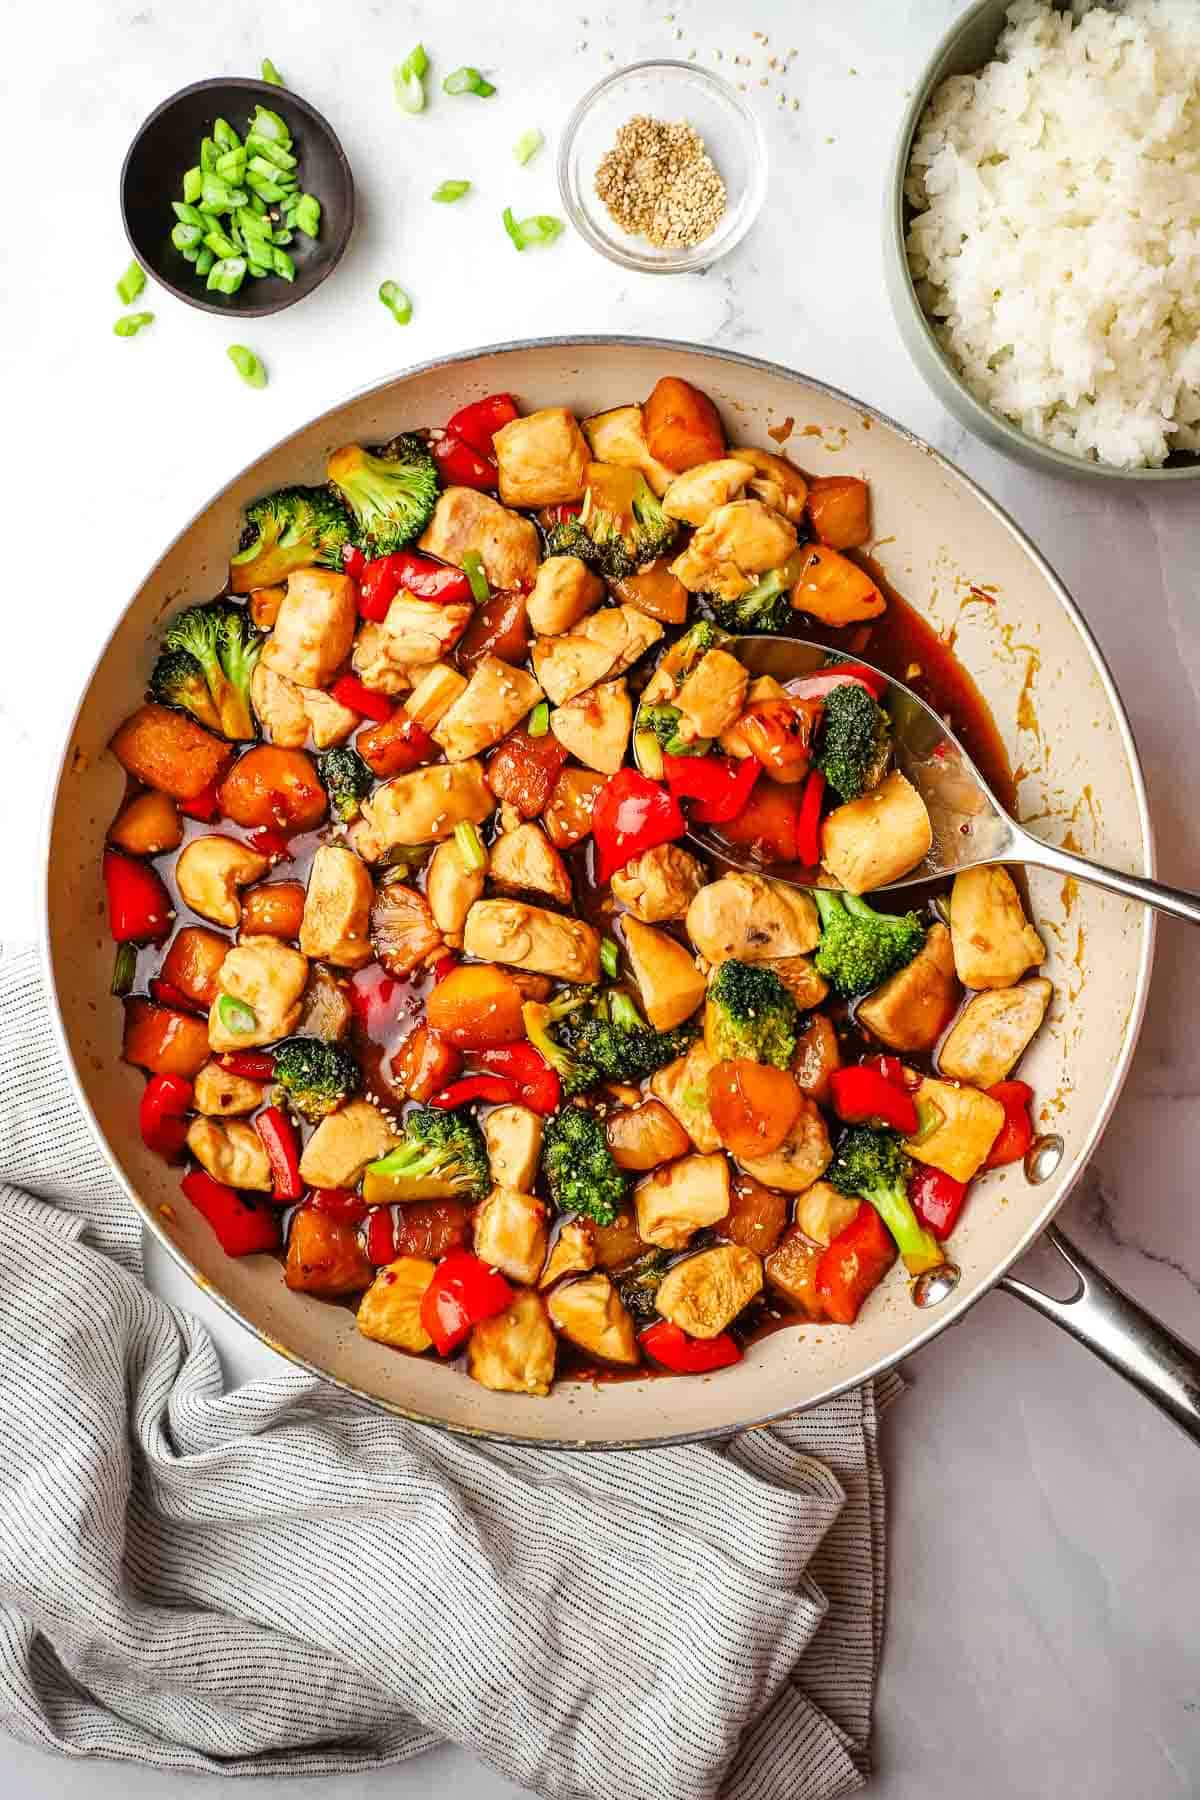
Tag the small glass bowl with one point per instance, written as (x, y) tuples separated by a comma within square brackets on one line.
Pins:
[(670, 91)]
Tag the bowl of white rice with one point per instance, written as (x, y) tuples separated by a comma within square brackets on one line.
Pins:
[(1042, 239)]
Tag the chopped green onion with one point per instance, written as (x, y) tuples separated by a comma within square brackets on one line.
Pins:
[(231, 165), (467, 81), (131, 284), (694, 1097), (124, 969), (187, 214), (929, 1117), (193, 181), (416, 63), (227, 275), (539, 719), (131, 324), (204, 260), (282, 263), (219, 242), (266, 190), (236, 1016), (247, 365), (610, 957), (268, 124), (528, 145), (472, 564), (408, 81), (470, 845), (271, 73), (451, 190), (396, 301), (224, 136), (275, 154), (187, 237), (541, 228), (208, 156), (308, 215)]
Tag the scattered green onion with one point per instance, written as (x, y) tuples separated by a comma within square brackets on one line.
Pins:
[(193, 183), (408, 80), (528, 145), (208, 156), (219, 242), (268, 124), (204, 260), (131, 284), (470, 845), (929, 1117), (224, 136), (472, 564), (610, 957), (227, 275), (131, 323), (282, 263), (271, 73), (541, 228), (187, 237), (236, 1016), (694, 1097), (396, 301), (539, 719), (467, 81), (451, 190), (124, 969), (307, 214), (187, 214), (248, 366), (271, 152)]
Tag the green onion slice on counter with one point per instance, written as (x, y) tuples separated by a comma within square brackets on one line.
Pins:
[(271, 73), (467, 81), (131, 284), (541, 228), (248, 366), (396, 301), (131, 323), (451, 190), (528, 145)]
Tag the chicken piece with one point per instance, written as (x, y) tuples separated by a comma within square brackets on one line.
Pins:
[(514, 1146), (735, 545), (565, 592), (529, 937), (590, 1313), (791, 1273), (390, 1310), (625, 630), (375, 666), (659, 884), (676, 1201), (279, 708), (315, 627), (875, 839), (815, 1058), (231, 1153), (525, 859), (331, 722), (422, 807), (573, 1252), (619, 437), (326, 1011), (682, 1086), (993, 1032), (752, 919), (994, 943), (210, 872), (568, 814), (801, 980), (223, 1095), (969, 1124), (434, 694), (776, 482), (415, 633), (705, 1293), (344, 1143), (595, 726), (713, 695), (496, 698), (912, 1009), (699, 491), (822, 1212), (602, 646), (541, 458), (801, 1159), (511, 1234), (513, 1353), (670, 984), (267, 976), (337, 909), (325, 1256), (451, 888), (465, 519)]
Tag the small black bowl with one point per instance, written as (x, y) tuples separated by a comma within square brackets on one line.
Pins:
[(168, 144)]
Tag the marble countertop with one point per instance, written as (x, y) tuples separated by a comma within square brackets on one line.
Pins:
[(1045, 1540)]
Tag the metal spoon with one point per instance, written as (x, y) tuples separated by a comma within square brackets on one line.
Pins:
[(969, 824)]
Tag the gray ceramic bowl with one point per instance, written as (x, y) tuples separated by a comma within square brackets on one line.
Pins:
[(966, 47)]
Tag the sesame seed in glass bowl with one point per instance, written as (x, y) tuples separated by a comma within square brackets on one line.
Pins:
[(675, 199)]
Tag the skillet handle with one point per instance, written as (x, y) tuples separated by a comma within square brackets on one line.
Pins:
[(1106, 1321)]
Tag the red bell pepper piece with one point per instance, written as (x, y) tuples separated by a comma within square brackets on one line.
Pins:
[(242, 1226), (936, 1198), (444, 966), (670, 1345), (1016, 1133), (460, 466), (463, 1291), (632, 814), (386, 576), (479, 422), (862, 1093), (893, 1070), (339, 1203), (768, 823), (167, 994), (822, 684), (205, 805), (492, 1088), (720, 785), (558, 515), (282, 1146), (349, 691), (252, 1065), (381, 1236), (270, 842), (139, 906), (854, 1264), (354, 561), (162, 1114), (537, 1084), (808, 820), (377, 999)]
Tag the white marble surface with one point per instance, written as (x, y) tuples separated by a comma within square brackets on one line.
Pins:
[(1045, 1538)]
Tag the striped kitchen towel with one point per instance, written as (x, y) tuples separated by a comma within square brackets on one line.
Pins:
[(280, 1580)]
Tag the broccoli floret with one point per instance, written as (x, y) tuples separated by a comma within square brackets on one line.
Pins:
[(639, 1285), (346, 779), (391, 490), (750, 1013), (590, 1038), (446, 1147), (615, 544), (290, 529), (178, 680), (579, 1168), (315, 1075), (860, 947), (569, 538), (653, 532), (656, 733), (855, 742), (226, 646), (767, 606), (871, 1163)]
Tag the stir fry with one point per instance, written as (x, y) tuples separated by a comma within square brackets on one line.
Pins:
[(438, 998)]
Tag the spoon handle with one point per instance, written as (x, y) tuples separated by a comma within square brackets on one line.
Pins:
[(1177, 901)]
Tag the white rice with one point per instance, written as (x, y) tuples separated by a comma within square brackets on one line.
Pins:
[(1056, 242)]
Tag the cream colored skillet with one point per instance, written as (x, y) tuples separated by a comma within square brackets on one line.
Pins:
[(940, 541)]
